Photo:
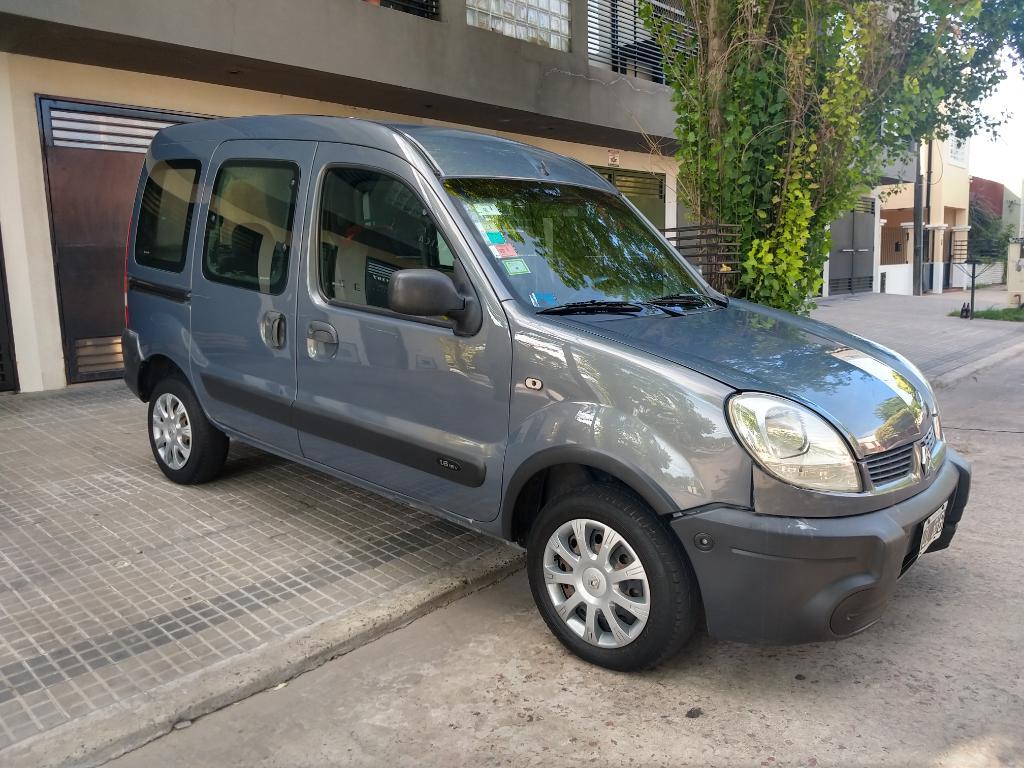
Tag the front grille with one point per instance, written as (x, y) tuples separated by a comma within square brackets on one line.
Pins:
[(891, 465), (897, 463)]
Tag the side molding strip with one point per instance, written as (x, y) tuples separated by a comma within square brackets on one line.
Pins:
[(461, 469), (180, 295)]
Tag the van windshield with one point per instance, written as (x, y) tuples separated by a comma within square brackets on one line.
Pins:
[(557, 244)]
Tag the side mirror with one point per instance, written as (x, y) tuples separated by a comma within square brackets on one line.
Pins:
[(429, 293), (423, 292)]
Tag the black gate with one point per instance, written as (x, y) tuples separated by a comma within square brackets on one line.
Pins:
[(93, 155), (851, 262), (8, 373), (643, 189)]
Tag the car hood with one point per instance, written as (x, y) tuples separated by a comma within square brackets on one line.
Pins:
[(866, 390)]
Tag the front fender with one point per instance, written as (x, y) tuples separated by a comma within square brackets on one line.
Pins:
[(611, 440)]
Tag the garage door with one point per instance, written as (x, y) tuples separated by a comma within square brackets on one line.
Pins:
[(851, 262), (93, 156)]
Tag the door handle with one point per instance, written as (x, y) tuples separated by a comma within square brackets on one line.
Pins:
[(273, 329), (321, 340)]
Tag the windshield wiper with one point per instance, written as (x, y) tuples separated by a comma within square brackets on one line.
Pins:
[(592, 307), (687, 300)]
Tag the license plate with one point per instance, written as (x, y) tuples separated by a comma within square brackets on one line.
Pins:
[(932, 528)]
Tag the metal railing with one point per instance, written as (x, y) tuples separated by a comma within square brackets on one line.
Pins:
[(714, 249), (428, 9), (616, 36)]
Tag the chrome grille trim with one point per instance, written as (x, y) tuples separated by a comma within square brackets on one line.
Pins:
[(897, 463)]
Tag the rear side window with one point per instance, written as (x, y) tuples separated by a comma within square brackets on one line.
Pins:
[(372, 225), (165, 215), (249, 229)]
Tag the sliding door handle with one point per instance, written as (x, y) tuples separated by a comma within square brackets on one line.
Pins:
[(273, 329)]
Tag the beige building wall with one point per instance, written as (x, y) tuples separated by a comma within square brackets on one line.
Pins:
[(24, 220), (949, 203)]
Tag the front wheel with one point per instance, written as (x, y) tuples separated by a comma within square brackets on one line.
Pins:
[(186, 446), (610, 580)]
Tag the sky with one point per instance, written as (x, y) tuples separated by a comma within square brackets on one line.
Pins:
[(1002, 158)]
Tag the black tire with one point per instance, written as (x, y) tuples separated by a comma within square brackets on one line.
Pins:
[(208, 446), (674, 596)]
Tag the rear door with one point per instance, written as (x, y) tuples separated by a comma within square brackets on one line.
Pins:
[(244, 288), (396, 400)]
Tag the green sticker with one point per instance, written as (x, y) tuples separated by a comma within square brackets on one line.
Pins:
[(495, 238), (486, 209), (515, 266)]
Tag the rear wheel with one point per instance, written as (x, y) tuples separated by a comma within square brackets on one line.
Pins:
[(610, 580), (186, 446)]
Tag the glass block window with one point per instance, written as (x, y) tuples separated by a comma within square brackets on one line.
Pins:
[(545, 22)]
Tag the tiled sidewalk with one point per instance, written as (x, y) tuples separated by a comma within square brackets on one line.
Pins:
[(114, 581)]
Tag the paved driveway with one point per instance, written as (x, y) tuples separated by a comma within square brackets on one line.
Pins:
[(920, 328), (119, 588)]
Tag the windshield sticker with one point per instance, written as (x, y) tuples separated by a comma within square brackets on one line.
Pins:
[(541, 299), (506, 251), (486, 209), (495, 238), (515, 267)]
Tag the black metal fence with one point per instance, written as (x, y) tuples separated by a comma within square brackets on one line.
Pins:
[(714, 249)]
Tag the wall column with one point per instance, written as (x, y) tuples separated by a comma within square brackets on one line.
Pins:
[(28, 256)]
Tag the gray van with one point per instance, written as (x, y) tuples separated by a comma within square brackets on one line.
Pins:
[(491, 332)]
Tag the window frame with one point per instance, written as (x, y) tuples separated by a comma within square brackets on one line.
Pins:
[(316, 231), (193, 205), (295, 207)]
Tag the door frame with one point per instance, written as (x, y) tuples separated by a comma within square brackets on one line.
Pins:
[(44, 104), (6, 327)]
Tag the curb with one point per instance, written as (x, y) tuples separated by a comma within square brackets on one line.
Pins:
[(115, 730), (950, 378)]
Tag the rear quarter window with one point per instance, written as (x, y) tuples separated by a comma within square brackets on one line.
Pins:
[(165, 215)]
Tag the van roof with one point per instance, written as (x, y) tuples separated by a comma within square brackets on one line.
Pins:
[(450, 151)]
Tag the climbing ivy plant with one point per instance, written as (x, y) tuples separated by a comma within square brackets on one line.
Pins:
[(786, 112)]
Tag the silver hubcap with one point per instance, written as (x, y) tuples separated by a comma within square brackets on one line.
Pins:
[(597, 583), (172, 431)]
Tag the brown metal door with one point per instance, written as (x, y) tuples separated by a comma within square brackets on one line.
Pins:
[(94, 154), (91, 196), (8, 374)]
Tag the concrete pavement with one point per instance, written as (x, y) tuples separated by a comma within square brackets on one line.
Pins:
[(938, 682)]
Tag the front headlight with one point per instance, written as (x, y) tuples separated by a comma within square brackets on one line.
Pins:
[(793, 443)]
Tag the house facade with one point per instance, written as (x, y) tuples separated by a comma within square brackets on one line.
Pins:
[(1015, 259), (84, 86), (946, 222), (1004, 203)]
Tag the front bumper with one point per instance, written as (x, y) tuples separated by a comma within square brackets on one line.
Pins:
[(796, 580)]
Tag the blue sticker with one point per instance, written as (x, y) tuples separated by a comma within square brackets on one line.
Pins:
[(539, 299), (495, 238)]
